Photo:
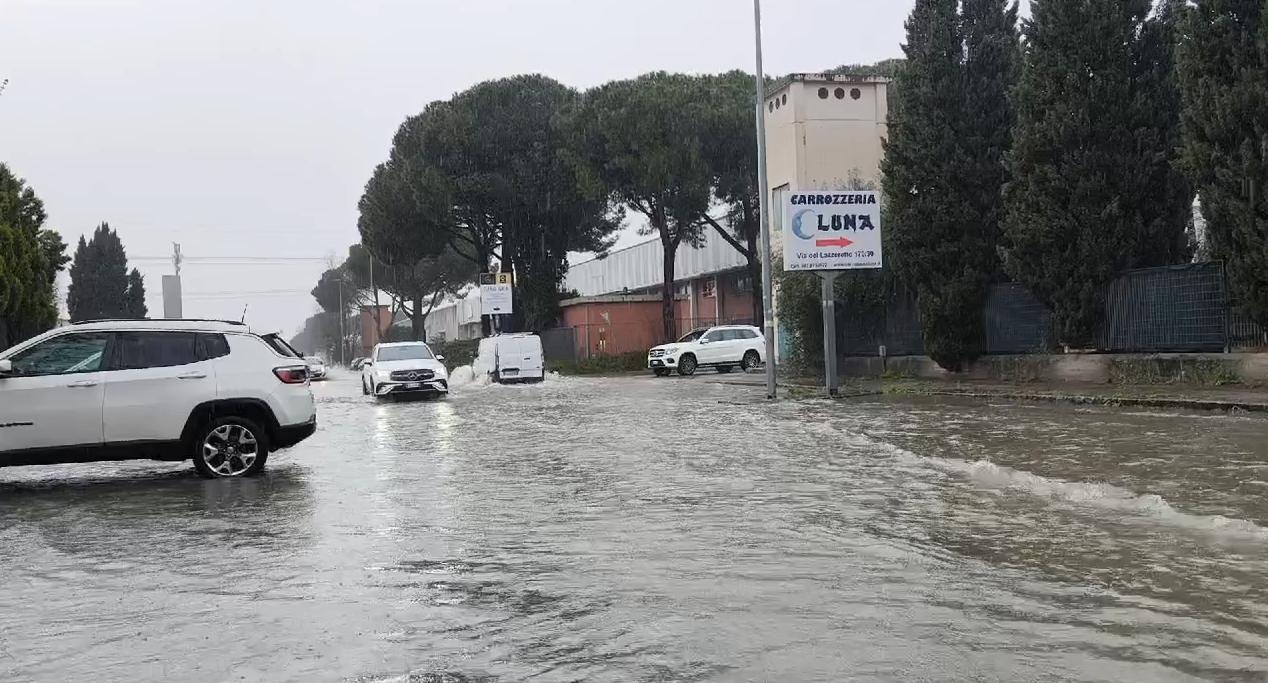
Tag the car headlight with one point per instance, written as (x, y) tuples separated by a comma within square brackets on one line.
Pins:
[(383, 374), (671, 350)]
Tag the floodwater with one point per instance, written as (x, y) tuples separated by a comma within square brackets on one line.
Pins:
[(667, 530)]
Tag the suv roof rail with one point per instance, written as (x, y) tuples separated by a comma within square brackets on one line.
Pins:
[(159, 320)]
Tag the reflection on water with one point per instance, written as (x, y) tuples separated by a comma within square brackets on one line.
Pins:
[(644, 530)]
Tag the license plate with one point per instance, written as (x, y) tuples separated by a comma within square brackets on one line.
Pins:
[(510, 372), (414, 385)]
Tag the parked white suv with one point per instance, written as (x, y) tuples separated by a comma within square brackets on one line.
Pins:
[(725, 348), (170, 390)]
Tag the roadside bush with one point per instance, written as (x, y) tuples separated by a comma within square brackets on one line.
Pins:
[(457, 353), (634, 361)]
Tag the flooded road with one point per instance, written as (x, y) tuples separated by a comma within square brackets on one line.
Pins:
[(635, 529)]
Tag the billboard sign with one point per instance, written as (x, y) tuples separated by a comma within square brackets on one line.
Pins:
[(832, 230), (495, 293)]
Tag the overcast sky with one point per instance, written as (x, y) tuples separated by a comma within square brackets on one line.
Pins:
[(249, 127)]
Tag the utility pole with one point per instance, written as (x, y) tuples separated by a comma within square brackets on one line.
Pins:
[(343, 340), (768, 313), (173, 307), (378, 321)]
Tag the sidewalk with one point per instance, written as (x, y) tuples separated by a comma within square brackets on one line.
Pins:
[(1226, 398)]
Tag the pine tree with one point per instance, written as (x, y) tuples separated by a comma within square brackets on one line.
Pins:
[(1223, 65), (949, 125), (99, 278), (1092, 158)]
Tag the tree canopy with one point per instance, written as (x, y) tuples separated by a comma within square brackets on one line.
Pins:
[(641, 143), (485, 177), (30, 258)]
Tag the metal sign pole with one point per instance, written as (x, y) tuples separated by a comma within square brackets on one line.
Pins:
[(828, 277)]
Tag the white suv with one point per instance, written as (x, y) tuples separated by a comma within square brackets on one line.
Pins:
[(404, 368), (171, 390), (725, 348)]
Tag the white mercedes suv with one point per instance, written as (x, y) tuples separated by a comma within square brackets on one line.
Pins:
[(172, 390), (400, 368), (724, 348)]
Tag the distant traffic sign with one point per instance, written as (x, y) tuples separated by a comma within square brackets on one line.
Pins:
[(832, 230)]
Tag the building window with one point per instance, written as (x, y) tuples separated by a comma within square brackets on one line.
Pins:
[(777, 207), (839, 93), (823, 93), (855, 93), (708, 288), (783, 99), (743, 282), (680, 289), (771, 106)]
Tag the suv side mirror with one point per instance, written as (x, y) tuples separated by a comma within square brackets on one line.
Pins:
[(6, 367), (704, 340), (440, 357)]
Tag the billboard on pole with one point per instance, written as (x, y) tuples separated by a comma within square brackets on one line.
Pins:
[(495, 293), (832, 230)]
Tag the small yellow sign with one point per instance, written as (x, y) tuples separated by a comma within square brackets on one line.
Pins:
[(505, 279)]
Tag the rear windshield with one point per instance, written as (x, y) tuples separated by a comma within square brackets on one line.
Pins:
[(280, 346), (411, 352)]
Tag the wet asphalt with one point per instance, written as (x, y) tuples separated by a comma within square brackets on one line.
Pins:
[(632, 529)]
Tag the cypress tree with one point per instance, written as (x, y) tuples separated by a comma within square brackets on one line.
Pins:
[(949, 127), (99, 278), (1092, 159), (1165, 189), (135, 298), (1223, 66)]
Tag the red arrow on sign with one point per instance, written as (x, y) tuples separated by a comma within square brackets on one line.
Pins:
[(837, 242)]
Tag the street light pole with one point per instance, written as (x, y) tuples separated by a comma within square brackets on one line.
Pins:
[(768, 314)]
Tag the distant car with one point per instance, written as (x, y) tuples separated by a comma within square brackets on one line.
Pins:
[(171, 390), (724, 348), (510, 358), (316, 368), (401, 368)]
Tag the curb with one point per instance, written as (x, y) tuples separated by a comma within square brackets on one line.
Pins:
[(1083, 399)]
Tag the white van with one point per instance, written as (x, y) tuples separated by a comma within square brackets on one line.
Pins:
[(511, 358)]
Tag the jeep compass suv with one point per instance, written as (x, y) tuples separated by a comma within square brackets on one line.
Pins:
[(206, 391)]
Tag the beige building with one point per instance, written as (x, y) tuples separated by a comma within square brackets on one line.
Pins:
[(822, 133)]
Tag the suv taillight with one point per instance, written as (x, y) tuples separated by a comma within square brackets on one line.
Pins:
[(292, 375)]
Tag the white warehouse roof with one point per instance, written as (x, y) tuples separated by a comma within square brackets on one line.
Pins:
[(641, 266)]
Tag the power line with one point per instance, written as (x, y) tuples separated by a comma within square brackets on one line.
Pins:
[(231, 260)]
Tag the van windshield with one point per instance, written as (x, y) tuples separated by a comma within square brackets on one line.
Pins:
[(411, 352)]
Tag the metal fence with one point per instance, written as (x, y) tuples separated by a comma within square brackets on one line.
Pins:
[(1184, 308), (559, 344), (1174, 308)]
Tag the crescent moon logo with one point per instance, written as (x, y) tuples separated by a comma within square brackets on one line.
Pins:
[(798, 229)]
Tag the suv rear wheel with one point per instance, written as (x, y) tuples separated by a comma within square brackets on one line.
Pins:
[(751, 360), (230, 446), (687, 365)]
